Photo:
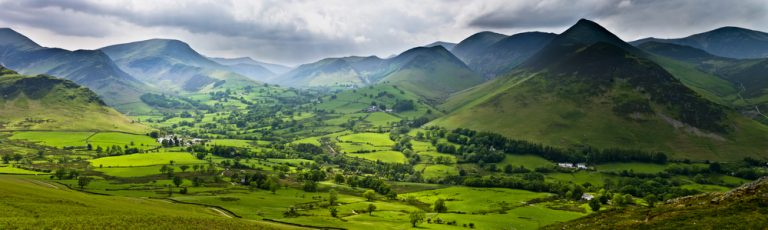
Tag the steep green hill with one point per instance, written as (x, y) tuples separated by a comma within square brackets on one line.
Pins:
[(740, 208), (43, 102), (587, 87), (731, 42), (89, 68)]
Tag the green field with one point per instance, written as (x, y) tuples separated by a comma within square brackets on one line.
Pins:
[(474, 200), (55, 139), (232, 142), (375, 139), (132, 171), (383, 156), (528, 161), (146, 159), (121, 139), (13, 170)]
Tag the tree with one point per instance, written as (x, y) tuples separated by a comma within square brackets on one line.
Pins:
[(715, 167), (339, 179), (594, 204), (83, 181), (164, 169), (60, 173), (651, 200), (370, 195), (184, 168), (332, 197), (334, 211), (310, 186), (416, 217), (440, 206), (371, 208), (178, 181)]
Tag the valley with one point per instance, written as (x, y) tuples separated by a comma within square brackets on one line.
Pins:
[(577, 130)]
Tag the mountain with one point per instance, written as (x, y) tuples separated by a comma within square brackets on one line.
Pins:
[(746, 78), (90, 68), (260, 71), (43, 103), (476, 44), (731, 42), (740, 208), (431, 72), (172, 65), (507, 53), (335, 72), (588, 87), (446, 45)]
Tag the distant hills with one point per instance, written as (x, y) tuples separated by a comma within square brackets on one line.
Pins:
[(446, 45), (43, 103), (256, 70), (432, 72), (588, 87), (172, 65), (91, 68), (731, 42)]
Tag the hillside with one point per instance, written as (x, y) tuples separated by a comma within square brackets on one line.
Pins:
[(89, 68), (740, 208), (731, 42), (746, 83), (55, 206), (335, 72), (446, 45), (587, 87), (44, 103), (172, 65)]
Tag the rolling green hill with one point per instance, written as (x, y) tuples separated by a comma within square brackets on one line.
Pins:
[(740, 208), (44, 103), (587, 87), (90, 68)]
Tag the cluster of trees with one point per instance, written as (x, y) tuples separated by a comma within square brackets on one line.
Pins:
[(114, 150), (376, 184), (490, 148)]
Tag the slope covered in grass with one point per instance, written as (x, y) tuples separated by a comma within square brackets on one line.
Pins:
[(33, 204), (44, 103)]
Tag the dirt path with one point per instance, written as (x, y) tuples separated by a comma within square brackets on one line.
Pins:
[(41, 183), (223, 213)]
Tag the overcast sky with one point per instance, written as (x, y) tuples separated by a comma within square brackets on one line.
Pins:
[(296, 31)]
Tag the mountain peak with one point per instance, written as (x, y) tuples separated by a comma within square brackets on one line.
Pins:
[(589, 32), (9, 36)]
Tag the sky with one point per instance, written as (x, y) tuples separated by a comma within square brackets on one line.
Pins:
[(292, 32)]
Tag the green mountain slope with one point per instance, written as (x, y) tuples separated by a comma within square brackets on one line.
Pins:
[(507, 53), (587, 87), (731, 42), (92, 69), (43, 103), (247, 67), (173, 65), (746, 80), (740, 208), (476, 44), (56, 207), (335, 72)]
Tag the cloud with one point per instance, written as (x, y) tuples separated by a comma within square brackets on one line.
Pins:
[(297, 31)]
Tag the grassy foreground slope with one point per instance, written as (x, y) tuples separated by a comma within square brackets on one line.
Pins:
[(32, 204), (45, 103), (740, 208)]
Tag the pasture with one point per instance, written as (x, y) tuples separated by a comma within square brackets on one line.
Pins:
[(383, 156), (146, 159)]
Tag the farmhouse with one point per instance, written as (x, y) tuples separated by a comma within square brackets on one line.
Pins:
[(572, 165)]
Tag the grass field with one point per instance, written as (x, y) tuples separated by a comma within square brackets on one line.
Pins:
[(105, 139), (55, 139), (375, 139), (12, 170), (470, 200), (132, 171), (429, 171), (55, 207), (232, 142), (146, 159), (528, 161), (383, 156)]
